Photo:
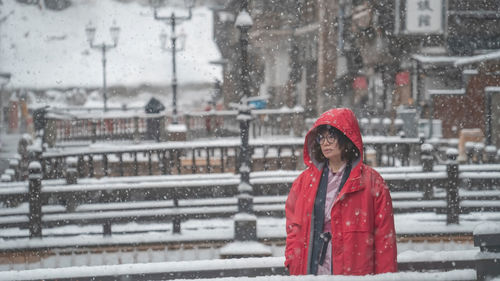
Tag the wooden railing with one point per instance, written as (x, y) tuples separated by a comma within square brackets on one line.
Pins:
[(138, 125), (78, 123), (219, 156), (215, 156), (266, 122), (108, 126), (449, 189), (173, 158)]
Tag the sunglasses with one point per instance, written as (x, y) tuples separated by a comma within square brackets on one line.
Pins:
[(330, 137)]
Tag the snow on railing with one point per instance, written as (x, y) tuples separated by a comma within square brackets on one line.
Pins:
[(136, 124), (104, 192), (207, 156), (133, 124)]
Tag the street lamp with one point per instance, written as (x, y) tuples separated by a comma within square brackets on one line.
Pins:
[(244, 23), (245, 221), (4, 79), (173, 20), (115, 33)]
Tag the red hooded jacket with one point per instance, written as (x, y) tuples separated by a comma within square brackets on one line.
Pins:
[(363, 235)]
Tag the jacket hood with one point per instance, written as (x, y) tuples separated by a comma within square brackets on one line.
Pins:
[(342, 119)]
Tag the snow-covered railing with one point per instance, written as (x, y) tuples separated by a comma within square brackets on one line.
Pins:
[(133, 124), (138, 125), (109, 213), (105, 127), (426, 181), (174, 158), (208, 156), (376, 126), (477, 152), (96, 110), (165, 197), (391, 150), (266, 122)]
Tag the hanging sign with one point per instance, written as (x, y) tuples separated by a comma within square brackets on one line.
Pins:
[(424, 16)]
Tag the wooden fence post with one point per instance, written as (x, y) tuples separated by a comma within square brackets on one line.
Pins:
[(106, 228), (376, 126), (81, 166), (106, 197), (427, 160), (386, 126), (163, 129), (71, 178), (176, 224), (94, 131), (478, 153), (398, 126), (35, 154), (137, 136), (491, 153), (487, 238), (452, 199), (187, 119), (469, 151), (35, 203), (14, 165)]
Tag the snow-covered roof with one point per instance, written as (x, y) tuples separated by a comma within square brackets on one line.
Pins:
[(460, 91), (478, 58), (492, 89), (42, 48), (435, 59)]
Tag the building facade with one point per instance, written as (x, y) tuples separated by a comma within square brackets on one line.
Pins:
[(376, 57)]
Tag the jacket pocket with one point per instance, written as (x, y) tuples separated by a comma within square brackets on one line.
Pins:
[(358, 250)]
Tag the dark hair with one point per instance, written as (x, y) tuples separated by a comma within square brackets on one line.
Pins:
[(349, 151)]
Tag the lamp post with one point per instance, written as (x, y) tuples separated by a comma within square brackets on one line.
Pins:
[(4, 79), (245, 221), (244, 23), (115, 33), (173, 20)]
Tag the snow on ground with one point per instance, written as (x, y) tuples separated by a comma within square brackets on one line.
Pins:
[(44, 48), (75, 272)]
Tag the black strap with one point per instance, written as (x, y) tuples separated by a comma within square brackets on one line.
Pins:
[(319, 218), (325, 237)]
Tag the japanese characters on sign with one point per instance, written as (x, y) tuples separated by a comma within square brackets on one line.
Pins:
[(424, 16)]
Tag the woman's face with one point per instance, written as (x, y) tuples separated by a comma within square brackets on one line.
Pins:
[(328, 142)]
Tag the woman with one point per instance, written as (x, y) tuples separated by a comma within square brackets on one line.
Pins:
[(339, 217)]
